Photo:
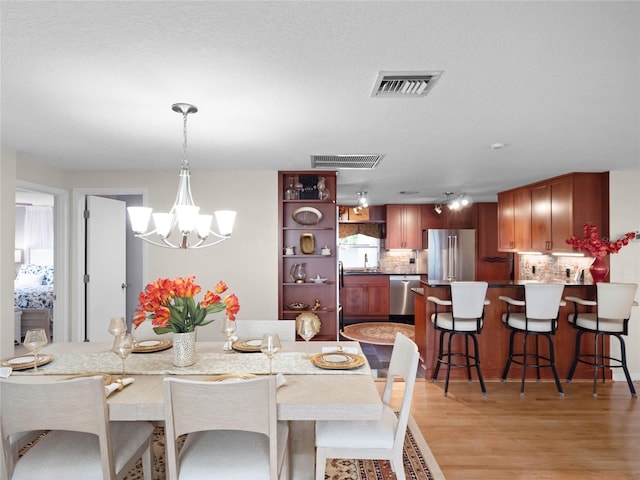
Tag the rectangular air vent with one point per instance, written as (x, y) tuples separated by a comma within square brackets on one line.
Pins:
[(404, 84), (363, 162)]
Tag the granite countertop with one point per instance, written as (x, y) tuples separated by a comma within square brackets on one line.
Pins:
[(511, 283), (378, 272)]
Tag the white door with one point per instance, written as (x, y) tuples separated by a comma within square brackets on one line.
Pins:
[(105, 279)]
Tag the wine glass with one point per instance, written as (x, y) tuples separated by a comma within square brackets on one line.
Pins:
[(307, 330), (117, 326), (34, 340), (122, 347), (228, 327), (270, 346)]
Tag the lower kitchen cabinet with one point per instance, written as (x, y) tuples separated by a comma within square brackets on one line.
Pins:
[(365, 297)]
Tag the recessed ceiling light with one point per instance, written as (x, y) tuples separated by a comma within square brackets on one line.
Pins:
[(497, 146)]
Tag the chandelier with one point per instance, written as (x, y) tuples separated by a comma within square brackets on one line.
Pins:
[(184, 214)]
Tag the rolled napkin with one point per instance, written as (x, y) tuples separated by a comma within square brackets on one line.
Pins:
[(228, 346), (280, 380), (5, 372), (109, 389), (339, 349)]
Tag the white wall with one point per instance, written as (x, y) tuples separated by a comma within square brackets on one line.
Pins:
[(7, 240), (625, 266), (247, 262)]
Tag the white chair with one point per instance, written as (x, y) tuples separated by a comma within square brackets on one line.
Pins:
[(232, 430), (540, 318), (611, 318), (82, 444), (286, 329), (378, 439), (464, 316)]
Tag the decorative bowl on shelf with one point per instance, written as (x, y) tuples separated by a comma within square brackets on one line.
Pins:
[(297, 306), (318, 279), (307, 215)]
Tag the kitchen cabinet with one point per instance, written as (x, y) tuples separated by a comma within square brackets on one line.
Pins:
[(365, 297), (404, 227), (491, 264), (307, 221), (557, 208), (514, 220)]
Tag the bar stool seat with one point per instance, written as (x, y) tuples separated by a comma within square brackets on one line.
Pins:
[(611, 318), (464, 315), (540, 318)]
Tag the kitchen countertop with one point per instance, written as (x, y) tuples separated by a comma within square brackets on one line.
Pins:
[(378, 272), (510, 283)]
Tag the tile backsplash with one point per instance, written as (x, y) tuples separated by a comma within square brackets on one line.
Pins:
[(551, 267)]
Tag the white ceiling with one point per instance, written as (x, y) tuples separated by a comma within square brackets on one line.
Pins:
[(89, 86)]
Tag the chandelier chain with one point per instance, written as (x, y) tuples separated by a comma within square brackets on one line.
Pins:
[(185, 162)]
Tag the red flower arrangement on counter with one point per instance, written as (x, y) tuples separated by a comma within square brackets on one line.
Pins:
[(171, 306), (598, 246)]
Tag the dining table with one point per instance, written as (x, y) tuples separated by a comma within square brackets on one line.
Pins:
[(306, 392)]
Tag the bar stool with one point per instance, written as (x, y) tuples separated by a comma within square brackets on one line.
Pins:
[(465, 318), (540, 318), (613, 309)]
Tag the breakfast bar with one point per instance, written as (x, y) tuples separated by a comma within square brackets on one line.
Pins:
[(494, 338)]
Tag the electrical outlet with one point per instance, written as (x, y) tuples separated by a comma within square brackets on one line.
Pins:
[(412, 260)]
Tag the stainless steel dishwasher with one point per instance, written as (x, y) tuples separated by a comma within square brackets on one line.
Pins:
[(400, 295)]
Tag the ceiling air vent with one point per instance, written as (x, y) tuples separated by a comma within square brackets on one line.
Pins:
[(404, 84), (362, 162)]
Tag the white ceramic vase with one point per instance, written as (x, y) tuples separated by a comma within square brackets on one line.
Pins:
[(184, 349)]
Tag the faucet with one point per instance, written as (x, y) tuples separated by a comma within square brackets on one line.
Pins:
[(366, 260)]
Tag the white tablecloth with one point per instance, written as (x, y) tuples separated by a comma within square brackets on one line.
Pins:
[(161, 363)]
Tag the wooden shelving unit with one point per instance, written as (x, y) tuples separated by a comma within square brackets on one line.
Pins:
[(324, 233)]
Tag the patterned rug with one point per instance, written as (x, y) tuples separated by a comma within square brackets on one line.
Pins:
[(419, 463), (378, 333)]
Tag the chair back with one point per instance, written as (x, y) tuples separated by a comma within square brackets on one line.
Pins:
[(403, 364), (543, 300), (77, 405), (286, 329), (252, 405), (467, 299), (615, 300)]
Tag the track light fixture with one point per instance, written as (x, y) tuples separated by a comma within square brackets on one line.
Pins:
[(453, 201), (363, 201)]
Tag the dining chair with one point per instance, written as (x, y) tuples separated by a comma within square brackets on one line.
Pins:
[(82, 444), (540, 318), (462, 315), (377, 439), (232, 431), (610, 319)]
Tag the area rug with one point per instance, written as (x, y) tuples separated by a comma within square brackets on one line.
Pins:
[(419, 463), (377, 333)]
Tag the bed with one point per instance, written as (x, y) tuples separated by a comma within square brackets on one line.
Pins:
[(33, 287)]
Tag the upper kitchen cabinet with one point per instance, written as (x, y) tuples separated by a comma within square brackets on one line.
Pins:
[(447, 218), (559, 207), (404, 227), (514, 220), (308, 266)]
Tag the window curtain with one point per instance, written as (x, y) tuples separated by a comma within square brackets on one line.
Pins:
[(38, 227), (374, 230)]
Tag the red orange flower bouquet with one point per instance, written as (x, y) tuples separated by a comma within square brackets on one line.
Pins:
[(171, 306), (598, 246)]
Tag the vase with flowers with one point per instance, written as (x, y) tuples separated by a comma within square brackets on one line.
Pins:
[(171, 307), (598, 247)]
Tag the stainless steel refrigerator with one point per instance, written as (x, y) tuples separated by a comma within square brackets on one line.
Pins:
[(451, 254)]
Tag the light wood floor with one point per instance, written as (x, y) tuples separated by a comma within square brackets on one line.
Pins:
[(541, 436)]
